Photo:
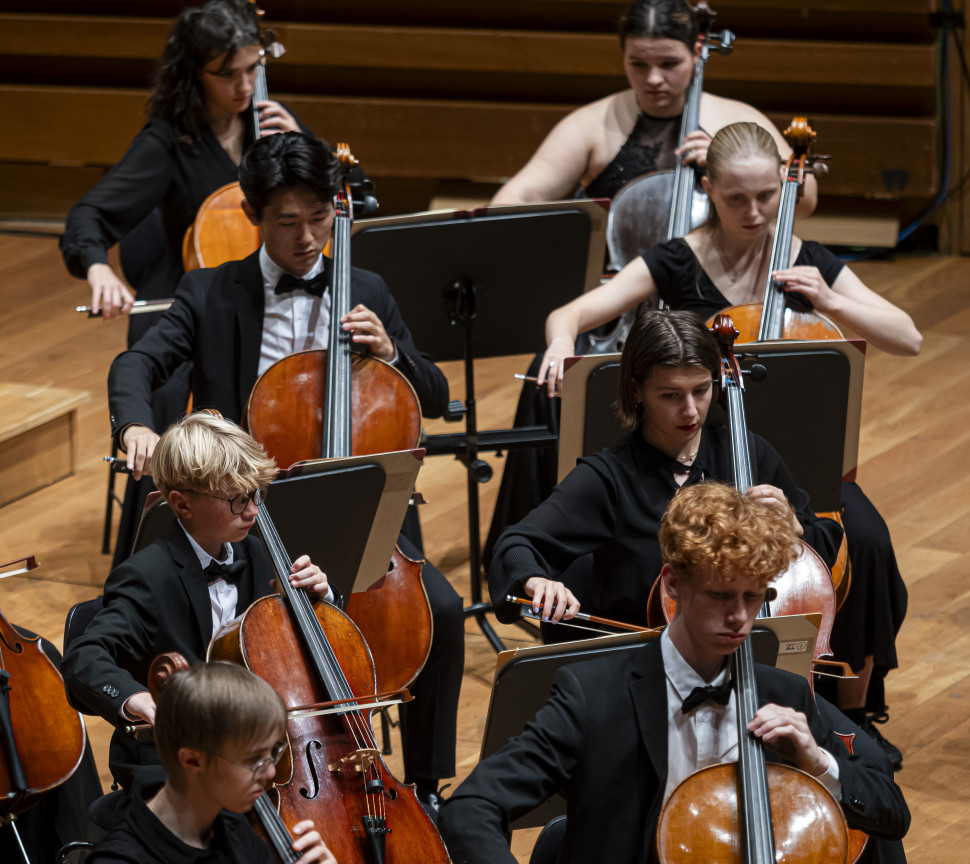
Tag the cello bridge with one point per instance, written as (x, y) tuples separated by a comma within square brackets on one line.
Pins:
[(361, 760)]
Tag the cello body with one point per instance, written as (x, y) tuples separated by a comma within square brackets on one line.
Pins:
[(221, 232), (41, 737), (286, 410), (313, 654), (701, 818)]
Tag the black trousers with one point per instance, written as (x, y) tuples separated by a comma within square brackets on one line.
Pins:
[(429, 723)]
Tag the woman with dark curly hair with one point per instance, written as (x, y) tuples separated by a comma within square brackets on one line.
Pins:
[(198, 128)]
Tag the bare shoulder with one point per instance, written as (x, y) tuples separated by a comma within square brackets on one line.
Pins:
[(718, 112)]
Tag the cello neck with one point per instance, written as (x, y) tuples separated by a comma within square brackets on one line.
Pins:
[(320, 652), (773, 310), (260, 92), (682, 197), (757, 835), (337, 411), (276, 832)]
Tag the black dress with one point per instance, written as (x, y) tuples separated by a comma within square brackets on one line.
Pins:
[(610, 506), (649, 147)]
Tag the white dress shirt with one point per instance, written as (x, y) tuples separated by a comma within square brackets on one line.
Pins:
[(708, 734), (223, 596), (292, 322)]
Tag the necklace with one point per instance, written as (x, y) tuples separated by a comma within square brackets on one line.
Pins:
[(743, 263), (689, 459)]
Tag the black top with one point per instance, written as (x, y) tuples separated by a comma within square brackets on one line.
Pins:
[(650, 147), (611, 505), (142, 839), (683, 284), (157, 170)]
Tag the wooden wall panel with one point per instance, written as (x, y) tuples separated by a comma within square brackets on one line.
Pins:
[(435, 89)]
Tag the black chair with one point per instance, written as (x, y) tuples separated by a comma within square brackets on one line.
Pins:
[(549, 842), (78, 618), (73, 853)]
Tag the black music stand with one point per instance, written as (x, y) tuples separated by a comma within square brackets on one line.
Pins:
[(808, 407), (480, 284), (332, 511), (524, 676)]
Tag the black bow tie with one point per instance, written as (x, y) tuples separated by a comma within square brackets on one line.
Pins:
[(229, 572), (699, 695), (315, 286)]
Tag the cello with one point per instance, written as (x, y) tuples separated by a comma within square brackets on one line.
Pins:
[(661, 205), (338, 402), (773, 318), (314, 655), (42, 738), (760, 813)]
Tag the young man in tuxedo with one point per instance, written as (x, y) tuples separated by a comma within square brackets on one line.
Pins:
[(233, 322), (618, 734), (177, 591), (220, 733)]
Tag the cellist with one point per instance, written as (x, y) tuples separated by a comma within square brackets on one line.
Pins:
[(220, 733), (618, 734), (233, 322), (177, 591)]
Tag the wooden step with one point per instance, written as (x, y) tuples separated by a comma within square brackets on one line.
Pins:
[(37, 437)]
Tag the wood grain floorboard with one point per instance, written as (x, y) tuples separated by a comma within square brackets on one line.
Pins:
[(913, 464)]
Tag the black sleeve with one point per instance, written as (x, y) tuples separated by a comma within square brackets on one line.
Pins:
[(577, 518), (120, 200), (871, 800), (814, 254), (516, 779), (120, 637), (153, 358), (674, 270), (823, 535)]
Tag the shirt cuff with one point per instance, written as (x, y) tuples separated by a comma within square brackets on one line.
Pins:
[(830, 777)]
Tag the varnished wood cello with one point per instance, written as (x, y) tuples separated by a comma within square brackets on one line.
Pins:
[(338, 402), (42, 738), (773, 318), (313, 655)]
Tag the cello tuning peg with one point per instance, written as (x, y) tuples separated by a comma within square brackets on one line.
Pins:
[(757, 373)]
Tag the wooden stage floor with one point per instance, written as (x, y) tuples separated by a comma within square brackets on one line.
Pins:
[(916, 425)]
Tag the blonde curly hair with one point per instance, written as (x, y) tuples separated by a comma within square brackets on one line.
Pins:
[(712, 525)]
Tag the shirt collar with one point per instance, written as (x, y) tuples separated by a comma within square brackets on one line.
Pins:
[(205, 559), (272, 271), (679, 672)]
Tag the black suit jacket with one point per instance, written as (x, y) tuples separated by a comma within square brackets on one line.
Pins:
[(154, 602), (216, 322), (602, 739)]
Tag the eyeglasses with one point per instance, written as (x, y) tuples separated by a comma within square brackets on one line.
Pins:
[(238, 504), (274, 757)]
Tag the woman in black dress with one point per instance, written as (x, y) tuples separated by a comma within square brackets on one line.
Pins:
[(600, 525)]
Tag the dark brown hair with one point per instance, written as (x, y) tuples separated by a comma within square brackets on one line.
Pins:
[(673, 339)]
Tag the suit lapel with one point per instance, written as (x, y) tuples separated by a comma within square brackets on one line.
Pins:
[(192, 579), (648, 690), (246, 286)]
